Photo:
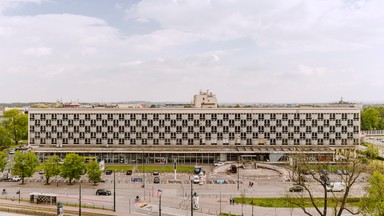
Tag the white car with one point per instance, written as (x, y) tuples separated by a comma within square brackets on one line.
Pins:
[(15, 179), (196, 179), (219, 163)]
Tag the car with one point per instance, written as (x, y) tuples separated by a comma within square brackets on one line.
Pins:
[(338, 172), (196, 179), (233, 168), (15, 179), (156, 180), (336, 187), (345, 172), (108, 172), (12, 152), (136, 179), (296, 188), (103, 192), (156, 172), (129, 172), (220, 163), (41, 172)]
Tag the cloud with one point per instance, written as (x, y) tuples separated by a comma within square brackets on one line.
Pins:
[(38, 51)]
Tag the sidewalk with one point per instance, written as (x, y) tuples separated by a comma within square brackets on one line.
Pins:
[(16, 207)]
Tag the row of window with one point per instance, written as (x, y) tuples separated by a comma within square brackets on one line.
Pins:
[(66, 141), (193, 116)]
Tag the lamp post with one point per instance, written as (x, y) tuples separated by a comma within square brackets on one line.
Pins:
[(238, 172), (159, 191), (191, 197), (80, 199), (114, 191), (142, 163)]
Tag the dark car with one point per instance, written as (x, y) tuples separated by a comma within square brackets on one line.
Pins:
[(103, 192), (296, 188), (108, 172), (233, 168), (156, 172), (129, 172), (156, 180)]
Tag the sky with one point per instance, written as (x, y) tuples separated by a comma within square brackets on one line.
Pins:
[(264, 51)]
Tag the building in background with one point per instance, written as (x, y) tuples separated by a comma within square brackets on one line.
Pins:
[(205, 100)]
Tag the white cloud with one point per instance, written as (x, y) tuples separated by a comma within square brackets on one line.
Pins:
[(269, 51), (38, 51)]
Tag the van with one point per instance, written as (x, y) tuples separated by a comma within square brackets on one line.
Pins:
[(336, 187), (196, 179)]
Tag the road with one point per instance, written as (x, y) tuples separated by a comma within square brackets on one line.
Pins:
[(175, 197)]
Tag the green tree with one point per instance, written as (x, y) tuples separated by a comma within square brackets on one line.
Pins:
[(94, 172), (51, 167), (24, 164), (372, 151), (153, 106), (372, 203), (370, 119), (73, 167), (16, 123), (5, 138), (3, 160)]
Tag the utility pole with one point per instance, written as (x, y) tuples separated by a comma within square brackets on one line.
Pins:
[(114, 191), (238, 172), (191, 198), (79, 199), (220, 203)]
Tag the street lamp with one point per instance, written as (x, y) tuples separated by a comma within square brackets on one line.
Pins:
[(159, 192)]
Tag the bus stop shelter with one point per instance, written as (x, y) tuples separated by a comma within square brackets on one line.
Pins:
[(43, 198)]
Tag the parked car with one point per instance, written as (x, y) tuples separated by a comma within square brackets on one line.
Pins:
[(156, 180), (219, 163), (129, 172), (136, 179), (12, 152), (345, 172), (103, 192), (15, 179), (108, 172), (336, 187), (156, 172), (338, 172), (196, 179), (41, 172), (296, 188)]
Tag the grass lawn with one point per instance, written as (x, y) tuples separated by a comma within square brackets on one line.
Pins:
[(283, 202), (165, 169), (119, 168)]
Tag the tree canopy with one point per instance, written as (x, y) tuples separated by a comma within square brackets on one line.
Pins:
[(73, 167), (3, 160), (372, 118), (372, 203), (5, 138), (51, 167), (24, 164), (93, 171), (16, 123)]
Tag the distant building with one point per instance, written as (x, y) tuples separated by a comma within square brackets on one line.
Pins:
[(73, 104), (205, 100)]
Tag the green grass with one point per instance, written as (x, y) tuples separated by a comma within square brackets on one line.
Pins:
[(165, 169), (283, 202), (119, 168)]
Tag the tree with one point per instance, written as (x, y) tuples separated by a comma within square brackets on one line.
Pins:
[(3, 160), (16, 123), (319, 178), (372, 203), (51, 167), (370, 119), (73, 167), (372, 151), (153, 106), (24, 164), (5, 138), (94, 172)]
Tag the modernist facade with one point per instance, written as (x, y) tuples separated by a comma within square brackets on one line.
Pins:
[(190, 135)]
